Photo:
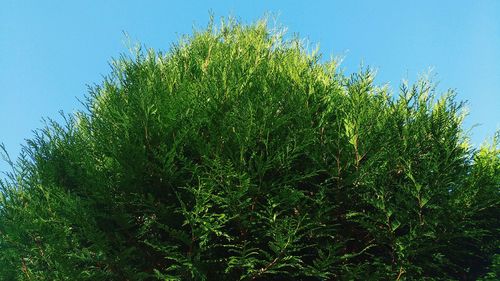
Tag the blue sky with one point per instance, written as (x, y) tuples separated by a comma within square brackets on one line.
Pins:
[(51, 50)]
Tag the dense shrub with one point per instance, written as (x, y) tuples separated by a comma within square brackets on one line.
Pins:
[(239, 155)]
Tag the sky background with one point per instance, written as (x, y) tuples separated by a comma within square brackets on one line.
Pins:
[(50, 51)]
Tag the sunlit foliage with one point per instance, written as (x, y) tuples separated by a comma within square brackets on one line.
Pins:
[(240, 155)]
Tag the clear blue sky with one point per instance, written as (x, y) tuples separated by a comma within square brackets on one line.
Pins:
[(51, 50)]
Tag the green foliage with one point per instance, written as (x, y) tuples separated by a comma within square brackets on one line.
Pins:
[(239, 155)]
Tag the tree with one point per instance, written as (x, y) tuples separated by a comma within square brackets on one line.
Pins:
[(239, 155)]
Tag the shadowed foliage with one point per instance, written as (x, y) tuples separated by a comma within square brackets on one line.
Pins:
[(239, 155)]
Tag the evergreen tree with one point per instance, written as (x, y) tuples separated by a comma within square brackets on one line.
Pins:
[(239, 155)]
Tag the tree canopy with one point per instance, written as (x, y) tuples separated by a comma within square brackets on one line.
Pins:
[(239, 154)]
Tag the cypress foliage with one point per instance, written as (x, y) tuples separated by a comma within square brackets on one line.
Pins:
[(239, 155)]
